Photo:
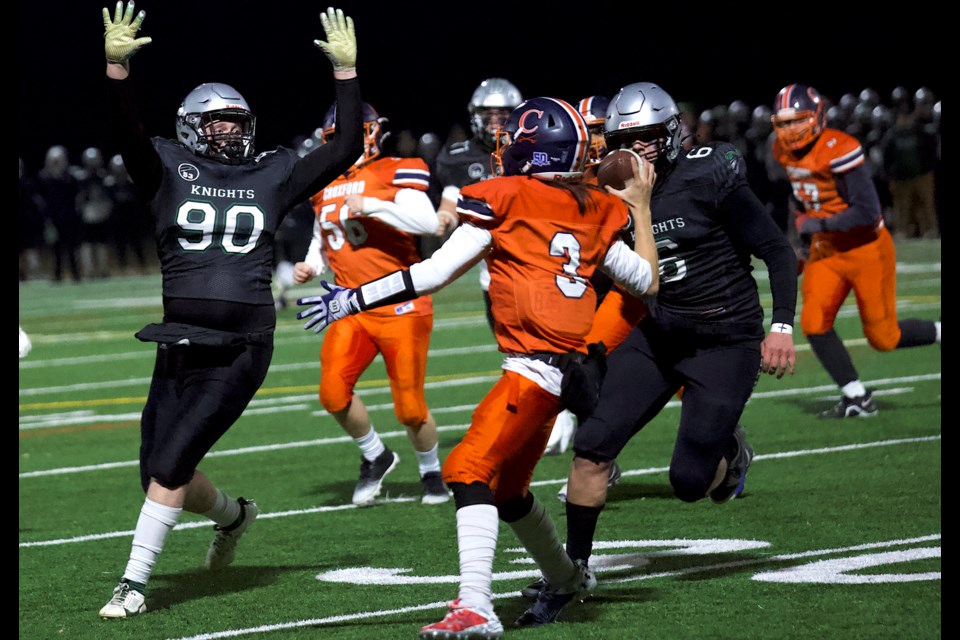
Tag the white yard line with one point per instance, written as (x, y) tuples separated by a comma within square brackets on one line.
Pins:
[(626, 472)]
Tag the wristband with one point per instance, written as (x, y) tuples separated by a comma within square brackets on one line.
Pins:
[(781, 327)]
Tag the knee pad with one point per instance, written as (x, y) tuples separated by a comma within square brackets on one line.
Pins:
[(168, 476), (335, 396), (515, 508), (688, 485), (411, 413), (465, 495), (881, 339)]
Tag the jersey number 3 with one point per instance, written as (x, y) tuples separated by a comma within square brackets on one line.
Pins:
[(571, 284)]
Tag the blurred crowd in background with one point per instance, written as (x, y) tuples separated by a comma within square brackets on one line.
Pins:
[(79, 216)]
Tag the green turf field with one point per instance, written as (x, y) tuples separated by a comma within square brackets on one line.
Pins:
[(836, 536)]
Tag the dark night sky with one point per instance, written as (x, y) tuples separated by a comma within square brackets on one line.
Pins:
[(419, 63)]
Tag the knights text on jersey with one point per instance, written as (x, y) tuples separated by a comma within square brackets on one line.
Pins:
[(360, 248), (215, 223), (813, 175), (463, 163), (542, 257), (704, 276)]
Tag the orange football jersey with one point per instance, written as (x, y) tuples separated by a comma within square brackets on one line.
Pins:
[(815, 186), (541, 259), (360, 248)]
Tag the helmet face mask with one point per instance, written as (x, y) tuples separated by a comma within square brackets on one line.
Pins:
[(490, 106), (543, 137), (799, 116), (644, 113), (215, 121)]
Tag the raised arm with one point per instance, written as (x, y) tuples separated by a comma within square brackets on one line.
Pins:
[(120, 42), (322, 165)]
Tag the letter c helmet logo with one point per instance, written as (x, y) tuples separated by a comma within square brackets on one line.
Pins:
[(521, 124)]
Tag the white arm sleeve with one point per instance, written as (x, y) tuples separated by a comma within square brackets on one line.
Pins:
[(411, 211), (627, 268), (316, 256), (463, 249)]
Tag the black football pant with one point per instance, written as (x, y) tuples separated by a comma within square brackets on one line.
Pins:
[(717, 374), (196, 394)]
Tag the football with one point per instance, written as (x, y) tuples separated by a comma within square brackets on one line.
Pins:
[(616, 168)]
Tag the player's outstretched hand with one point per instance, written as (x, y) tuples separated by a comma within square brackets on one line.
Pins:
[(339, 302), (341, 43), (120, 39)]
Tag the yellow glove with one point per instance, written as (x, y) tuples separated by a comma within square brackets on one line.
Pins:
[(341, 44), (119, 35)]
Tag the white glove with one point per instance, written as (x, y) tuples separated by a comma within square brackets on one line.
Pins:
[(25, 344), (337, 304), (341, 43)]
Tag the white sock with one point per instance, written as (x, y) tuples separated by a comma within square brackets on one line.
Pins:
[(371, 446), (937, 325), (537, 533), (225, 510), (154, 524), (854, 389), (477, 540), (428, 460)]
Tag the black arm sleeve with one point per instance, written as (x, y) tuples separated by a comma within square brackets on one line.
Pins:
[(322, 165), (863, 204), (752, 227), (139, 157)]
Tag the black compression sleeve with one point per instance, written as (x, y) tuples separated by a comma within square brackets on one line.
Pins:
[(139, 157), (753, 228), (322, 165)]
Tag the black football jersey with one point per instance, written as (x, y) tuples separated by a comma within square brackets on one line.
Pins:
[(705, 277), (215, 223), (463, 163)]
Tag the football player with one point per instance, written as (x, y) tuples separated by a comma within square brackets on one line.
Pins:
[(838, 212), (704, 330), (216, 206), (543, 233), (365, 227), (467, 162)]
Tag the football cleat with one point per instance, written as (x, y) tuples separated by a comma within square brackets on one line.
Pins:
[(223, 549), (550, 602), (434, 491), (463, 622), (372, 475), (126, 602), (859, 407), (732, 485)]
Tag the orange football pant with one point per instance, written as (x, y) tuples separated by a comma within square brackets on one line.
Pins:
[(351, 344)]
